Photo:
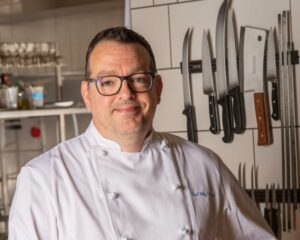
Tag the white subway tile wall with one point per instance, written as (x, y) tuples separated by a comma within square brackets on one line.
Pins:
[(153, 24), (157, 2), (141, 3), (175, 18)]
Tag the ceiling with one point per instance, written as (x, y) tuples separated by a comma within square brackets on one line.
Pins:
[(18, 10)]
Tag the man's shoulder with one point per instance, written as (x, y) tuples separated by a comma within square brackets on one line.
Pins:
[(189, 149), (69, 149)]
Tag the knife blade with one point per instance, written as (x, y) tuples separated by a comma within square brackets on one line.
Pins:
[(221, 74), (252, 185), (189, 109), (233, 78), (267, 205), (209, 85), (253, 42), (244, 176), (274, 222), (271, 74)]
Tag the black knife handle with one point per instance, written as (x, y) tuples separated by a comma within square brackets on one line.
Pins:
[(238, 110), (226, 118), (190, 114), (267, 215), (275, 105), (274, 221), (213, 115)]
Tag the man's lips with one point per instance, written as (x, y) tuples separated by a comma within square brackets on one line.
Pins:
[(127, 109)]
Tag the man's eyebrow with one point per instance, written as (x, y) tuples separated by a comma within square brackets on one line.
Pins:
[(111, 72)]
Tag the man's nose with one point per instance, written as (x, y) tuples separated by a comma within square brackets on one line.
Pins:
[(125, 90)]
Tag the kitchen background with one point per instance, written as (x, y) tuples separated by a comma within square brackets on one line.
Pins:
[(72, 24)]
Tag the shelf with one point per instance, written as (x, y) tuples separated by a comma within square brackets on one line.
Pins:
[(15, 114)]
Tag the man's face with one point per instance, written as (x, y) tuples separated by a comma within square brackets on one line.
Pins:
[(126, 113)]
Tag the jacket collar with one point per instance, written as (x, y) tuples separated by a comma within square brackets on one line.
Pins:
[(96, 139)]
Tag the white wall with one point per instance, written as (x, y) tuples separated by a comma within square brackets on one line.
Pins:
[(164, 23)]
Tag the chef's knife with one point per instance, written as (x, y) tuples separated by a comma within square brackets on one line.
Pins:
[(253, 41), (233, 79), (221, 76), (271, 73), (189, 109), (209, 84)]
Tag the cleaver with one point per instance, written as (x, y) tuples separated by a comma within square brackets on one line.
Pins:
[(253, 48)]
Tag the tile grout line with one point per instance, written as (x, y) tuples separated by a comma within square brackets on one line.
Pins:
[(170, 40)]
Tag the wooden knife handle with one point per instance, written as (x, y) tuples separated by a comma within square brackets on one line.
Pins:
[(259, 101)]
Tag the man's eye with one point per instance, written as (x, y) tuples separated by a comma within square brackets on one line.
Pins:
[(106, 82), (140, 79)]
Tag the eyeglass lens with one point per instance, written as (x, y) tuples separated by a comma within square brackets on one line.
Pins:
[(138, 82)]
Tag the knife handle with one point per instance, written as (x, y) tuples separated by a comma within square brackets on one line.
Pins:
[(213, 115), (226, 118), (275, 105), (274, 221), (238, 110), (267, 215), (190, 114), (259, 101)]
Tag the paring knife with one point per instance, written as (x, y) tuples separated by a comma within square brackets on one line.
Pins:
[(189, 109), (209, 85), (233, 78), (253, 42), (271, 74), (221, 76)]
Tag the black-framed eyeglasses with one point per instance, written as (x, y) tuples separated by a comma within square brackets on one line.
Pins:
[(110, 85)]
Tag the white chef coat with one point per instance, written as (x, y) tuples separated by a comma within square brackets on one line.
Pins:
[(86, 188)]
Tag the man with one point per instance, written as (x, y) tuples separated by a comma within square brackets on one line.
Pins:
[(121, 179)]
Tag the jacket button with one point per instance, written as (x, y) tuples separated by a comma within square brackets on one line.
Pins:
[(165, 145), (186, 231), (113, 195), (102, 152), (177, 186)]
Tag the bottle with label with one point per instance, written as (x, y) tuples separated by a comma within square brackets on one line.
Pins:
[(23, 102)]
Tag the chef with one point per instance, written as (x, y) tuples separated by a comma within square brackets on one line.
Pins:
[(123, 180)]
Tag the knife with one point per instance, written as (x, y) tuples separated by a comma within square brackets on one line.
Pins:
[(271, 74), (233, 79), (274, 222), (240, 173), (221, 76), (267, 205), (252, 185), (209, 85), (253, 42), (189, 109)]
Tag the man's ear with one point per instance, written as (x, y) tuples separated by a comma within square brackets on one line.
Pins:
[(158, 87), (85, 93)]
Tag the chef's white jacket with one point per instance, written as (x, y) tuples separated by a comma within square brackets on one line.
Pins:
[(88, 189)]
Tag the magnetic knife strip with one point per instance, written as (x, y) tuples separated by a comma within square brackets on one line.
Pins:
[(195, 66), (260, 195)]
